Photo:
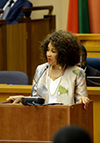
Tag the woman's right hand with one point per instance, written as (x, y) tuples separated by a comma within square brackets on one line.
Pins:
[(15, 99)]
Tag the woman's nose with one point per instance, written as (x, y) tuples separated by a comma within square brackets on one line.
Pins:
[(49, 53)]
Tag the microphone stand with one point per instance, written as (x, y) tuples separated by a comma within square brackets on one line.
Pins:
[(34, 100), (39, 79)]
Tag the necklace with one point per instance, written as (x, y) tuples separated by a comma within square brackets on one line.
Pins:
[(58, 75), (58, 83), (56, 87)]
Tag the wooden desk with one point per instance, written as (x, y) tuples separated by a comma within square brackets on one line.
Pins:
[(11, 90), (94, 94), (91, 43), (39, 123), (23, 141)]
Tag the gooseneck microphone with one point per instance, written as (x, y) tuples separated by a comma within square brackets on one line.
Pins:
[(34, 100), (81, 61), (38, 79)]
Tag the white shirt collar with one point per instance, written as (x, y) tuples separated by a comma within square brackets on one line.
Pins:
[(14, 1), (8, 4), (85, 69)]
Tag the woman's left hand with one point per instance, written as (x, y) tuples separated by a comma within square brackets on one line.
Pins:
[(85, 101)]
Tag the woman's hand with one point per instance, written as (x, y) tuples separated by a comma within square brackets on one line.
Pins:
[(15, 99), (85, 101)]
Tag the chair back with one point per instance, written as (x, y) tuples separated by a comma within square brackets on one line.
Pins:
[(14, 77), (93, 62)]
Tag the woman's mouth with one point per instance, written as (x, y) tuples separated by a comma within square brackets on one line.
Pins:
[(49, 60)]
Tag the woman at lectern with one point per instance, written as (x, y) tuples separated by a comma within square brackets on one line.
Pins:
[(59, 79)]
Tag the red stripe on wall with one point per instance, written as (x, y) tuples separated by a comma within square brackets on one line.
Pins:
[(72, 21), (94, 15)]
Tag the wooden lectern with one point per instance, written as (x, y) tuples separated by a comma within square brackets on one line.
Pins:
[(39, 123)]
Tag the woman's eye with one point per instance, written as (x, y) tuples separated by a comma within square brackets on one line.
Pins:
[(47, 49), (53, 51)]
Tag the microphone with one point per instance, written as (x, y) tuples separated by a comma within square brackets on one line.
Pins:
[(34, 100), (81, 61), (39, 78)]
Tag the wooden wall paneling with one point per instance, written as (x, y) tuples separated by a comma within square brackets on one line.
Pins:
[(23, 42), (3, 53), (52, 22), (29, 51), (39, 30), (16, 47), (91, 43)]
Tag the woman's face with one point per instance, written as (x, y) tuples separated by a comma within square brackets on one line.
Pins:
[(52, 55)]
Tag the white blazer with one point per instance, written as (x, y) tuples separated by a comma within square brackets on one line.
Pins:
[(72, 86)]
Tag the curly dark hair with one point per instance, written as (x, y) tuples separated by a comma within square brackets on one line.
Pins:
[(67, 45)]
